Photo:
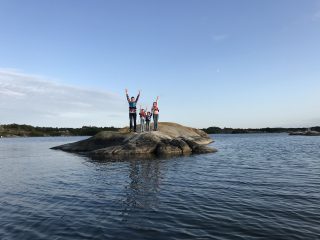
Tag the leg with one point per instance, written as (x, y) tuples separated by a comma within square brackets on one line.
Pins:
[(130, 118), (141, 125), (144, 125), (154, 122), (135, 121), (156, 118)]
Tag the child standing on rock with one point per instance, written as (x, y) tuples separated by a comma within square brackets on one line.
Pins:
[(142, 119), (155, 113), (148, 120)]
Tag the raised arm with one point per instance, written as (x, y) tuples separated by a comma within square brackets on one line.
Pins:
[(138, 96), (157, 99), (127, 95)]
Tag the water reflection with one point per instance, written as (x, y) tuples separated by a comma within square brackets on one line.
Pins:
[(144, 184)]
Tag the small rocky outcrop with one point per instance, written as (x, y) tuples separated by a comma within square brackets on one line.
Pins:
[(170, 140), (306, 133)]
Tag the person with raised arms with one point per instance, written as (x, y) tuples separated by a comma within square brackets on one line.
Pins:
[(133, 110), (155, 113)]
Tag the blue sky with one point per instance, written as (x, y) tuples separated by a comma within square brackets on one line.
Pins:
[(213, 63)]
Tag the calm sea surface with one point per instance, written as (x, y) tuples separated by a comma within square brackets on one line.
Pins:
[(256, 187)]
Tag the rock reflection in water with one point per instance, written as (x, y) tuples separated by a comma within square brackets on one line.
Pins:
[(144, 183)]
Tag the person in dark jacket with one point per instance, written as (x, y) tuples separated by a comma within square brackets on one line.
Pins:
[(148, 120), (133, 110)]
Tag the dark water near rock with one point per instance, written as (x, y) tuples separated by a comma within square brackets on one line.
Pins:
[(255, 187)]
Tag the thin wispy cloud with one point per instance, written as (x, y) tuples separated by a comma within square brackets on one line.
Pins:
[(36, 100), (219, 37)]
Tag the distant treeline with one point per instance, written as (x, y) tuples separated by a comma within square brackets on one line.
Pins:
[(11, 130), (30, 131), (217, 130)]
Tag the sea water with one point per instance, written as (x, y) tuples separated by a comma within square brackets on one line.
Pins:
[(258, 186)]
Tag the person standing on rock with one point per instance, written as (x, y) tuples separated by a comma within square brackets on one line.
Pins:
[(142, 115), (133, 110), (148, 120), (155, 113)]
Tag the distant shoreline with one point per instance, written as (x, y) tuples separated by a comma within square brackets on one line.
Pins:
[(22, 130), (217, 130)]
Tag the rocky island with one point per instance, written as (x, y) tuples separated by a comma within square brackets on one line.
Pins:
[(305, 133), (171, 139)]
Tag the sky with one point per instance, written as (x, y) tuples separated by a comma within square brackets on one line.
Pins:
[(230, 63)]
